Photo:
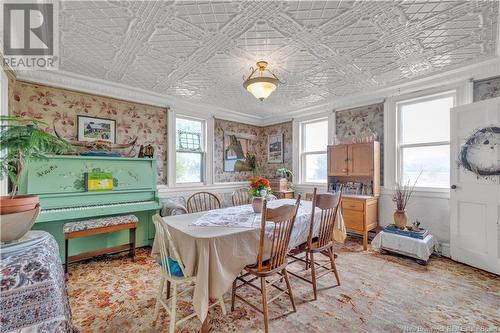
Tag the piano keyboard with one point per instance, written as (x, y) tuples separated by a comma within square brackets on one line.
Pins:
[(90, 207)]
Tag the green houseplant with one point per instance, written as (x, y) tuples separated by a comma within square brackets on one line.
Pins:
[(22, 141)]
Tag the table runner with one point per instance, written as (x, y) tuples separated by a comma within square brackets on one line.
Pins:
[(33, 294), (244, 217), (217, 254)]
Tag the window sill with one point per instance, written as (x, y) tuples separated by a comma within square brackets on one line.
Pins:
[(423, 192)]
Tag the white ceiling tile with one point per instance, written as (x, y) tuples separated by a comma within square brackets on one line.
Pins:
[(201, 50)]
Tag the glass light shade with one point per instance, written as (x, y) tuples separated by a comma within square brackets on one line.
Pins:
[(261, 87)]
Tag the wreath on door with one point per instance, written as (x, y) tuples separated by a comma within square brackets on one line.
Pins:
[(480, 152)]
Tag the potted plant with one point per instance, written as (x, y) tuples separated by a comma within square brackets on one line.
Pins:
[(259, 189), (285, 173), (22, 141), (401, 197)]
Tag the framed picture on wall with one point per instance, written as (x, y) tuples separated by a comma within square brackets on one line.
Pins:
[(93, 128), (237, 148), (275, 148)]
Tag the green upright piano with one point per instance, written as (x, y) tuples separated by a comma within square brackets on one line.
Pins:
[(60, 183)]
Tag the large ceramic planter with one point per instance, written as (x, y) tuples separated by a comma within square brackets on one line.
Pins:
[(400, 218), (18, 203), (16, 225), (257, 204)]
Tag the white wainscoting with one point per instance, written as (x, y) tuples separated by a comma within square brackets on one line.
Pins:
[(181, 193), (430, 208)]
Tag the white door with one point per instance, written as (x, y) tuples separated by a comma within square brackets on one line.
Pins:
[(474, 201)]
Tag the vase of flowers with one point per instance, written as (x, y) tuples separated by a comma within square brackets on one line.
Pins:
[(260, 188), (401, 197)]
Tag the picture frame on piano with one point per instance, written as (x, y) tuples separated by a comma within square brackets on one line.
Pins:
[(94, 128)]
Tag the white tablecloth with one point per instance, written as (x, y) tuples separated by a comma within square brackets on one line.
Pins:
[(412, 247), (217, 253)]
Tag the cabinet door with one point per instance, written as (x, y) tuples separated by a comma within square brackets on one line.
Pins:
[(337, 160), (360, 160)]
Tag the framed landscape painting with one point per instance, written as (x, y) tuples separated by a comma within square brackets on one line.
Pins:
[(93, 128), (237, 147), (275, 148)]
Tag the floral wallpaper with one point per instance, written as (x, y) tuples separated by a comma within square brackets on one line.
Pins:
[(361, 122), (269, 169), (263, 168), (60, 107), (485, 89)]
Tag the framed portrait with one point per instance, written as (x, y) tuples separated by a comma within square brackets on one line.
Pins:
[(93, 128), (275, 148)]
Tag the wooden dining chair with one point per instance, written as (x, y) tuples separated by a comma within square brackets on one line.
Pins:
[(275, 231), (202, 201), (174, 273), (320, 242), (241, 197)]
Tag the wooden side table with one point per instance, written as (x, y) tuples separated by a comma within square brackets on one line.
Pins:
[(290, 194)]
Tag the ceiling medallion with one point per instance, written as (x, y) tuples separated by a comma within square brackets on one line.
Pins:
[(259, 85)]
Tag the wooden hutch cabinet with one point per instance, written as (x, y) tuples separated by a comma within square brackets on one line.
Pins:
[(357, 167)]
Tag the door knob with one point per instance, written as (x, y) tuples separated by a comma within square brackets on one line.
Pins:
[(453, 187)]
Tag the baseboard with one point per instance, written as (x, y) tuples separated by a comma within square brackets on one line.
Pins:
[(445, 250)]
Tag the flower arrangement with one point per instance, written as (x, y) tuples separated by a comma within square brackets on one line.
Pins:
[(401, 197), (402, 194), (260, 187)]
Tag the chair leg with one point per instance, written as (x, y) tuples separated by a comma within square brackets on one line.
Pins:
[(233, 295), (289, 287), (222, 305), (263, 285), (334, 267), (313, 276), (157, 306), (174, 308)]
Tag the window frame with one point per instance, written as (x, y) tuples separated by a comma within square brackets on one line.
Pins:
[(203, 152), (401, 146), (303, 154)]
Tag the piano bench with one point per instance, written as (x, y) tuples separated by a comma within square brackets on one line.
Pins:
[(99, 226)]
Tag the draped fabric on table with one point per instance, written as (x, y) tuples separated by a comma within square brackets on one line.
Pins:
[(33, 294), (216, 250)]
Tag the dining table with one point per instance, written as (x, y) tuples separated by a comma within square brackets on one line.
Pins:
[(216, 245)]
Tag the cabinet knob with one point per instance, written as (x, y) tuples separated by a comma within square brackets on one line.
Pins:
[(344, 170), (453, 187)]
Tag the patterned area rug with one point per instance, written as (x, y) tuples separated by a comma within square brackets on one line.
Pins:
[(379, 293)]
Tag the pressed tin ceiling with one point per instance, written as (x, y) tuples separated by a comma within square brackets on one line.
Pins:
[(200, 50)]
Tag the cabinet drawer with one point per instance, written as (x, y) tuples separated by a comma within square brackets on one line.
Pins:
[(353, 219), (353, 205)]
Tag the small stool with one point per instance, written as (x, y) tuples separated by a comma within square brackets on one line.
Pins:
[(420, 249), (99, 226)]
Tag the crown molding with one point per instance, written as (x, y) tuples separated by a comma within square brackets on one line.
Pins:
[(67, 80), (80, 83), (486, 69)]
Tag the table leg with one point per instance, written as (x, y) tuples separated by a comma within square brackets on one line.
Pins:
[(204, 326), (365, 240)]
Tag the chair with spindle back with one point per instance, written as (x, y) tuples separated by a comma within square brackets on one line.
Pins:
[(275, 231), (320, 241), (241, 197), (202, 201), (174, 273)]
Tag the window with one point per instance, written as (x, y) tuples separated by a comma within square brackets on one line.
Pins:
[(190, 150), (424, 140), (313, 159)]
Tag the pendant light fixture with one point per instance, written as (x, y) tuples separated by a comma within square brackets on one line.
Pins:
[(258, 84)]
